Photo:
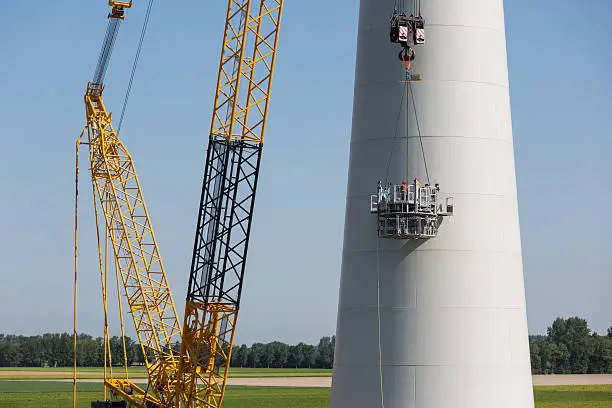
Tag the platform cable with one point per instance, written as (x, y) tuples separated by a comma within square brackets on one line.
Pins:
[(136, 58), (76, 255), (119, 302), (380, 365), (416, 117), (397, 124), (102, 266)]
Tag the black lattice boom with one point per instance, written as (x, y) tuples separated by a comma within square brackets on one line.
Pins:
[(224, 222)]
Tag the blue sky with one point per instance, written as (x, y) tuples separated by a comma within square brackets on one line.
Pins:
[(559, 59)]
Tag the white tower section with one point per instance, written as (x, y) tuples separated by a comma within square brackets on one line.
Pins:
[(453, 325)]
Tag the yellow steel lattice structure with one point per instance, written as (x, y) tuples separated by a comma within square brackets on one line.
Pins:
[(189, 368), (127, 224), (237, 133), (240, 116)]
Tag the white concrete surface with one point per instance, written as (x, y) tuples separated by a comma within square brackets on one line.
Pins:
[(453, 325)]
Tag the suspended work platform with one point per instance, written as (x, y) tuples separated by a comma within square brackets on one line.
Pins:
[(409, 211)]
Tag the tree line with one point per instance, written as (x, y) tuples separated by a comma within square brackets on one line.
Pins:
[(281, 355), (56, 350), (568, 347)]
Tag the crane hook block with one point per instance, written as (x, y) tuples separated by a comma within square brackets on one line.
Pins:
[(407, 30)]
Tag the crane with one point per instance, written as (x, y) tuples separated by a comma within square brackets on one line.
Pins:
[(228, 196), (188, 367), (119, 200)]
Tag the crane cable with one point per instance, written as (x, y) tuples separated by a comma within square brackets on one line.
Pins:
[(408, 87), (107, 48), (76, 258), (408, 90), (380, 365), (397, 123), (400, 6), (136, 58), (416, 118)]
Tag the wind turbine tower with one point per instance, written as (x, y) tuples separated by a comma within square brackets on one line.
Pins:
[(432, 301)]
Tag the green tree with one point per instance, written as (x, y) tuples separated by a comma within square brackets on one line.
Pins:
[(574, 333), (295, 358), (281, 354), (536, 359), (600, 361), (325, 353), (10, 355), (240, 356), (256, 355), (560, 359), (310, 356)]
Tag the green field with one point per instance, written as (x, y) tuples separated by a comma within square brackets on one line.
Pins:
[(32, 373), (574, 396), (35, 394)]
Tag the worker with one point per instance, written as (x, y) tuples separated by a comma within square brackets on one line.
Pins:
[(382, 192)]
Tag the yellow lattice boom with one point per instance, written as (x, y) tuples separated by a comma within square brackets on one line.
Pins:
[(249, 27), (126, 222), (238, 125), (186, 368)]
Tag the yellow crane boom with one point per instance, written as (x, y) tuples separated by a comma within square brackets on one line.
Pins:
[(126, 223), (231, 173), (187, 368)]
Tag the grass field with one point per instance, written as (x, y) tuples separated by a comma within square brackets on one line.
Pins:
[(575, 396), (32, 373), (35, 394)]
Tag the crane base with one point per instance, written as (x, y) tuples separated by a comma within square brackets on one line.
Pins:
[(108, 404)]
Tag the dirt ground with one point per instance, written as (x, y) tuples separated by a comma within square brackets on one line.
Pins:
[(539, 380), (41, 374), (326, 381), (282, 382), (582, 379)]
